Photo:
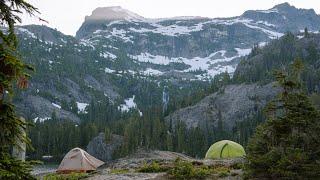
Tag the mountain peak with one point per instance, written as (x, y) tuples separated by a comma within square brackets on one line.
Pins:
[(283, 5), (113, 13)]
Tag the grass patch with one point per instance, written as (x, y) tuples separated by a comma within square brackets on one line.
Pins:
[(154, 167), (223, 174), (119, 171), (221, 171), (181, 169), (71, 176)]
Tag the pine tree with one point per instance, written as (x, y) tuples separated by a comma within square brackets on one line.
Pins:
[(306, 32), (287, 145), (12, 69), (107, 135)]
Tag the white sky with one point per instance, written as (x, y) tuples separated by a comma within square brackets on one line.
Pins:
[(68, 15)]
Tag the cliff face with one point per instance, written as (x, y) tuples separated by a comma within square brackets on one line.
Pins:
[(231, 104), (98, 147)]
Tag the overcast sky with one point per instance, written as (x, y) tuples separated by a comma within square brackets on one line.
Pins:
[(68, 15)]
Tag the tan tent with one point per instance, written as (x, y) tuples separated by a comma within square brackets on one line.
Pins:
[(78, 160)]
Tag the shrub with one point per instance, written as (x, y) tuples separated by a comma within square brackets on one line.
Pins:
[(237, 166), (221, 170), (185, 170), (154, 167), (11, 168)]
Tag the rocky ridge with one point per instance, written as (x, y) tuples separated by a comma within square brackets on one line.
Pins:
[(233, 103)]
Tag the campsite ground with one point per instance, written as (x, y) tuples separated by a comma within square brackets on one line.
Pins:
[(167, 165), (158, 165)]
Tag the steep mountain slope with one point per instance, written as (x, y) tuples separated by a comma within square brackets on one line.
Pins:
[(252, 83), (234, 103), (71, 75), (126, 61), (186, 44)]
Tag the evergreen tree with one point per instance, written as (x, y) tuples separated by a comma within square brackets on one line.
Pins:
[(107, 134), (287, 145), (306, 32), (11, 69)]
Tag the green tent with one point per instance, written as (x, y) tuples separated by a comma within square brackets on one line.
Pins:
[(225, 149)]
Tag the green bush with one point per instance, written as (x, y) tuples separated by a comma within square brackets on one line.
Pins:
[(11, 168), (221, 170), (185, 170), (154, 167), (237, 166)]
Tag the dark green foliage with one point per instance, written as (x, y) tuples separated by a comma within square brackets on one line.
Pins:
[(185, 170), (13, 169), (55, 137), (306, 33), (287, 145), (243, 130), (259, 65), (107, 134), (154, 167), (12, 70)]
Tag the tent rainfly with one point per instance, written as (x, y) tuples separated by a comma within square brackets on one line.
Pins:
[(78, 160), (225, 149)]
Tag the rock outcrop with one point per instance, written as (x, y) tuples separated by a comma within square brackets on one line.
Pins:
[(99, 148), (231, 104)]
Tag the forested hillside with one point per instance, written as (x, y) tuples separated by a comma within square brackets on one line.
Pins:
[(152, 95), (152, 131)]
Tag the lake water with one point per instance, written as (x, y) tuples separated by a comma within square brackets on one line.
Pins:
[(44, 169)]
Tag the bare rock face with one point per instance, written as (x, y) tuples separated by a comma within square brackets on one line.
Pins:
[(231, 104), (98, 147), (141, 157), (113, 13), (37, 107)]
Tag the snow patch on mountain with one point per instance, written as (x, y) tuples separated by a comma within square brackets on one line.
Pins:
[(251, 24), (152, 72), (211, 63), (129, 104), (108, 55), (171, 30), (86, 42), (56, 105), (82, 107), (154, 59), (120, 33), (270, 33), (107, 70), (27, 32), (266, 23), (39, 119)]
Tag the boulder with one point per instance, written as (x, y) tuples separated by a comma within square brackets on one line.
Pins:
[(99, 148)]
